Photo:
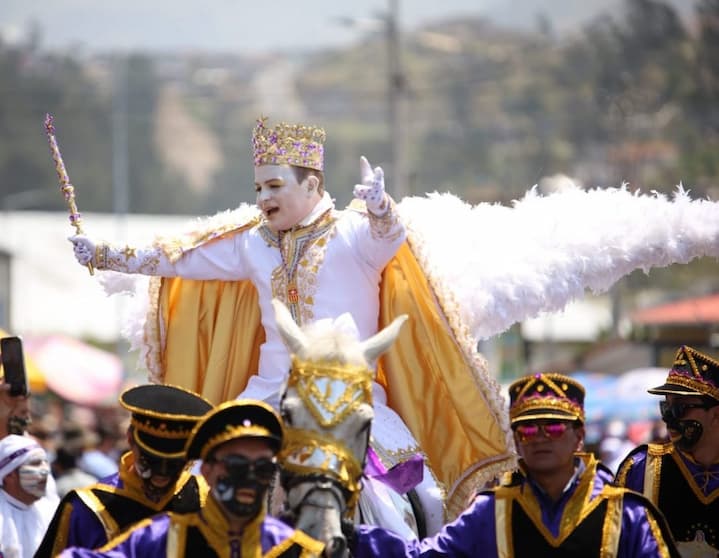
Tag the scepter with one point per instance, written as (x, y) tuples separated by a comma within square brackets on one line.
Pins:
[(68, 190)]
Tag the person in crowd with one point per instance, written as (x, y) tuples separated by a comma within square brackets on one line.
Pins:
[(237, 443), (14, 412), (25, 509), (560, 502), (154, 475), (681, 476), (68, 476), (101, 459)]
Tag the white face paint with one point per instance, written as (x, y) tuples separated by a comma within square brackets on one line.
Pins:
[(34, 473), (283, 201)]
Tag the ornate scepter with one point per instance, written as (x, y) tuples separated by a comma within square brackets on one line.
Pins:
[(68, 190)]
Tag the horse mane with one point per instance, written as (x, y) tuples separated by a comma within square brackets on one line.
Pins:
[(326, 343)]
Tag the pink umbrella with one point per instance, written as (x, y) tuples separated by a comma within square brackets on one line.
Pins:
[(76, 371)]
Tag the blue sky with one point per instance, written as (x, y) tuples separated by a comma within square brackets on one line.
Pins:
[(244, 26)]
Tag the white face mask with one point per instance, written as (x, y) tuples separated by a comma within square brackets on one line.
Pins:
[(283, 201), (34, 473)]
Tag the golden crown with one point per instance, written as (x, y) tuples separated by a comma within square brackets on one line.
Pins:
[(288, 144)]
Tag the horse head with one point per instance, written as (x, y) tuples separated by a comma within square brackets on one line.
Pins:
[(327, 409)]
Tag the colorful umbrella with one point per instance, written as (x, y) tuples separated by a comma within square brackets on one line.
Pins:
[(76, 371)]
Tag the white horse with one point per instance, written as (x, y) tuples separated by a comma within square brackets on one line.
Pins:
[(328, 413)]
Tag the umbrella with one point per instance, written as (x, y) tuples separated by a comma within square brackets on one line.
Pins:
[(34, 376), (76, 371)]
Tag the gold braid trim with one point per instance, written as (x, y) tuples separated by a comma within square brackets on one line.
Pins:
[(612, 527), (486, 470), (695, 384), (305, 377), (546, 402), (232, 432)]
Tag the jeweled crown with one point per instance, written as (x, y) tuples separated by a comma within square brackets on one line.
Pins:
[(288, 144)]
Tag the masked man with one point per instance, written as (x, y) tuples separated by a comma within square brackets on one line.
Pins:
[(237, 443), (682, 476), (153, 475), (559, 503), (25, 511)]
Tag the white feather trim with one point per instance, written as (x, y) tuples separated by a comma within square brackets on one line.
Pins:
[(500, 265)]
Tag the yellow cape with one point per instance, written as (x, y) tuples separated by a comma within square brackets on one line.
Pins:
[(205, 336)]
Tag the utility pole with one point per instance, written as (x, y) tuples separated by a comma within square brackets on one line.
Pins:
[(396, 104)]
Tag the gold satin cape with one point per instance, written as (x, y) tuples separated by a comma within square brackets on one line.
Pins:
[(207, 336)]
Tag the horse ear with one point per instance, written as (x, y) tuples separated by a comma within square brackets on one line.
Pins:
[(289, 330), (373, 347)]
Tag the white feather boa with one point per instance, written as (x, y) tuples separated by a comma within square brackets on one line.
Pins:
[(492, 265)]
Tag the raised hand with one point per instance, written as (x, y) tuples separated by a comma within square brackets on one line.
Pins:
[(371, 190)]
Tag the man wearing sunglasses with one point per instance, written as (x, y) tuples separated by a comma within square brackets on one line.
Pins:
[(682, 476), (559, 503), (154, 475), (237, 443)]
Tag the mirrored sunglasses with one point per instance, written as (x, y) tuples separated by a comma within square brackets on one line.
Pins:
[(526, 432), (239, 466)]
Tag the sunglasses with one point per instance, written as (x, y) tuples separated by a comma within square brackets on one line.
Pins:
[(527, 432), (678, 409), (263, 469)]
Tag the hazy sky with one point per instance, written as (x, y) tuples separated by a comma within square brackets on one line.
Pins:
[(229, 25)]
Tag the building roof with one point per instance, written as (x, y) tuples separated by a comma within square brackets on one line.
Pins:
[(695, 311)]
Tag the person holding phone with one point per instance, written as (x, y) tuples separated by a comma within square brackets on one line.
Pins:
[(14, 392)]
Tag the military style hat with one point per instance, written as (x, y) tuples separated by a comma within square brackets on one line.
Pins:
[(163, 417), (546, 396), (693, 373), (242, 418)]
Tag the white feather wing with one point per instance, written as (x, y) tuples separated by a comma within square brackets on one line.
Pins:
[(497, 265)]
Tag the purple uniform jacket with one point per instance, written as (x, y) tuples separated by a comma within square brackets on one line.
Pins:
[(685, 491), (91, 516), (517, 519), (204, 534)]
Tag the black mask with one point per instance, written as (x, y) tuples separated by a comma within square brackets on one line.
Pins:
[(148, 466), (244, 474), (690, 431)]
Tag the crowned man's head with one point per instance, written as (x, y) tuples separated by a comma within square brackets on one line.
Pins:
[(289, 182)]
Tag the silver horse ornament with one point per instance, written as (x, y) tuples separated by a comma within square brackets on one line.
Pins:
[(327, 409)]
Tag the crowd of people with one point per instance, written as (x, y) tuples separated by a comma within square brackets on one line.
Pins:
[(190, 474)]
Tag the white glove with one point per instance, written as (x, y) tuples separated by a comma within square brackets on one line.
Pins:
[(84, 249), (372, 188)]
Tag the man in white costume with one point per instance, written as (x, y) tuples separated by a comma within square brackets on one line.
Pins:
[(25, 510), (319, 261)]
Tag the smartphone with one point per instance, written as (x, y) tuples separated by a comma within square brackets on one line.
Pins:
[(13, 365)]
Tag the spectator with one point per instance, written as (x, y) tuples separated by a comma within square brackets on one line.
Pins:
[(25, 510)]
